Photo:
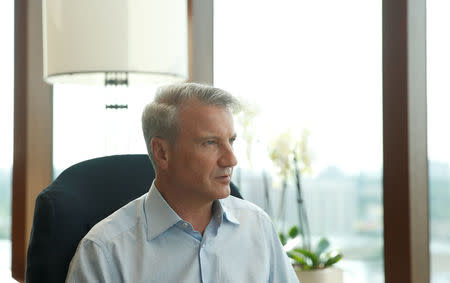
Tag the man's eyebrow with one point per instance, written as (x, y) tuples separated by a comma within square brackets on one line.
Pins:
[(204, 138), (209, 137), (212, 137)]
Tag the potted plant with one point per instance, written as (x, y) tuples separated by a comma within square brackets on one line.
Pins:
[(312, 265)]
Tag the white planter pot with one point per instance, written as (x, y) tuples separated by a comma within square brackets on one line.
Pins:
[(326, 275)]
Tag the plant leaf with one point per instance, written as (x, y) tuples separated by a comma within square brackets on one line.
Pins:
[(310, 255), (322, 246), (283, 239), (333, 258), (293, 232), (299, 260)]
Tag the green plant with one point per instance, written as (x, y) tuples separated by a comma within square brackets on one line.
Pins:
[(291, 155), (306, 259)]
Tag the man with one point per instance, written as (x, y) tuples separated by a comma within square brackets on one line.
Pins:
[(187, 228)]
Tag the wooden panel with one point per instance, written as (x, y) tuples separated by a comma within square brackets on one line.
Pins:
[(32, 168), (200, 15), (18, 203), (405, 176)]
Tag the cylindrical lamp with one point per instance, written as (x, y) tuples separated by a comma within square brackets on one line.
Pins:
[(89, 41)]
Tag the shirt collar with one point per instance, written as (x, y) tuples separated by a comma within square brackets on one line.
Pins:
[(160, 216), (227, 213)]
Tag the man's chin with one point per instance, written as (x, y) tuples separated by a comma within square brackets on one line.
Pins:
[(223, 191)]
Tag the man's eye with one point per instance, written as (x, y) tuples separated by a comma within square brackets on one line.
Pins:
[(209, 142)]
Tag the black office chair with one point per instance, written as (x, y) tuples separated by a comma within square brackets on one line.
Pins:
[(81, 196)]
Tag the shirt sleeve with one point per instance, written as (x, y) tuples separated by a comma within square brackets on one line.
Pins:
[(90, 264), (282, 270)]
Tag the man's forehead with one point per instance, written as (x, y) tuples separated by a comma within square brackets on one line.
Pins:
[(199, 110), (206, 120)]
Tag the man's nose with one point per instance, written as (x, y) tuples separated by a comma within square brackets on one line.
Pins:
[(228, 159)]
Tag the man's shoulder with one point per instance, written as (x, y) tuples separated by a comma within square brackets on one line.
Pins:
[(239, 207), (233, 202), (126, 218)]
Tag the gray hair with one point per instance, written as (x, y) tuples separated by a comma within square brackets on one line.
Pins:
[(160, 117)]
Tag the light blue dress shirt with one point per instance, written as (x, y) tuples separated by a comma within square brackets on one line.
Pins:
[(146, 241)]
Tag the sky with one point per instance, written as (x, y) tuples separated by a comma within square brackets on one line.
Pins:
[(308, 67)]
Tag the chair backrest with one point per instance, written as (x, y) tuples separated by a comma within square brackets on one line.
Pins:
[(81, 196)]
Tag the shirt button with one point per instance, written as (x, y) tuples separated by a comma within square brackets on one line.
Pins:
[(185, 225)]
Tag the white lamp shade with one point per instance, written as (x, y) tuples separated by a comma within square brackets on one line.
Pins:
[(84, 39)]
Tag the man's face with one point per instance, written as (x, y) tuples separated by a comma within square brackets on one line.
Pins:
[(201, 160)]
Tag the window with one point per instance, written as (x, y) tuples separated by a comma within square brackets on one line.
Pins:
[(83, 128), (312, 65), (438, 89), (6, 129)]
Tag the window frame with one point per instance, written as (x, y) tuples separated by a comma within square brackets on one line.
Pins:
[(405, 162)]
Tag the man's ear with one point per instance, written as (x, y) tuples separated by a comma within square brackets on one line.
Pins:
[(160, 150)]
